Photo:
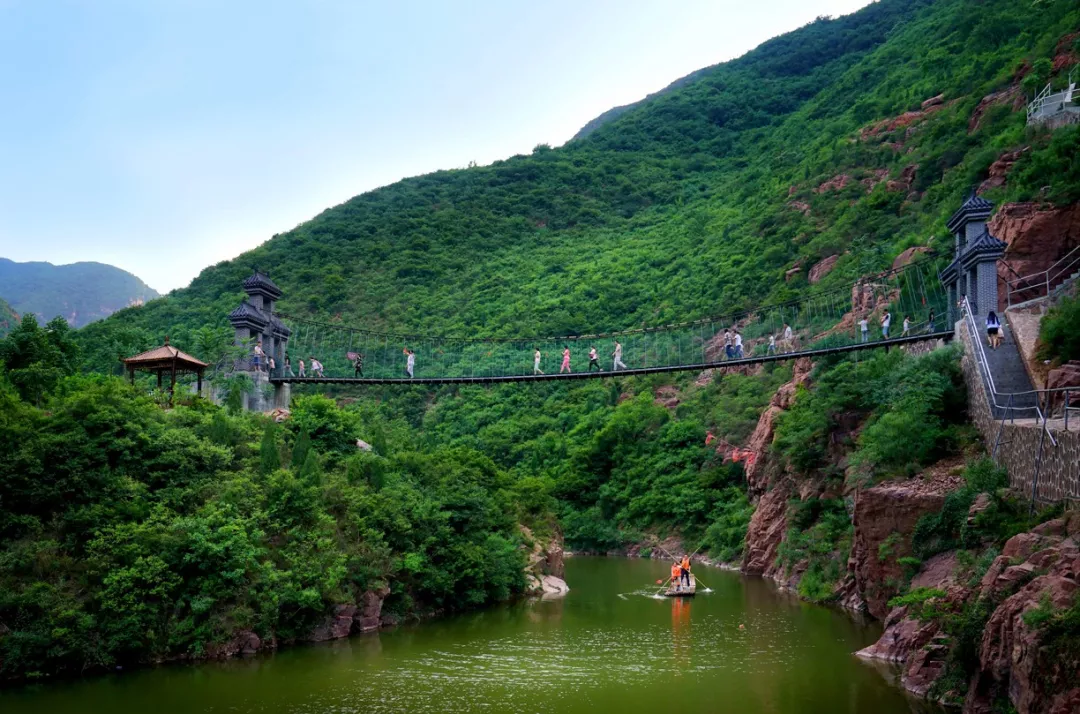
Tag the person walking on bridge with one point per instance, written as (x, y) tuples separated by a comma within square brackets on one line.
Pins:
[(302, 372), (536, 361), (565, 368), (729, 349), (772, 345), (256, 359), (787, 341), (594, 360), (316, 367), (864, 326), (410, 362), (685, 567), (358, 365), (616, 356), (930, 322), (288, 366), (907, 326), (886, 320), (738, 345)]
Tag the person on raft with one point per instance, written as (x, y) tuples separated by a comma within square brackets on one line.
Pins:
[(676, 573), (685, 567)]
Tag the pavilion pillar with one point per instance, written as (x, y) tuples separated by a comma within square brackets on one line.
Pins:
[(159, 379)]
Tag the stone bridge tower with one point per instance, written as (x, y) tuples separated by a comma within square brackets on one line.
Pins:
[(973, 271), (254, 321)]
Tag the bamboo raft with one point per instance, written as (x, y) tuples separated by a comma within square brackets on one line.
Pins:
[(674, 590)]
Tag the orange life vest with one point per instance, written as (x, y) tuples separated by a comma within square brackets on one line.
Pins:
[(686, 564), (675, 572)]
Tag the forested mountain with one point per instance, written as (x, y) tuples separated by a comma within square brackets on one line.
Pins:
[(79, 292), (695, 202)]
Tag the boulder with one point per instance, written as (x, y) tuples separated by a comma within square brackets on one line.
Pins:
[(369, 611), (244, 642), (822, 268), (336, 625), (666, 396), (934, 101), (552, 585)]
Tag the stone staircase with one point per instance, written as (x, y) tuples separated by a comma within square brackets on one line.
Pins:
[(1010, 375)]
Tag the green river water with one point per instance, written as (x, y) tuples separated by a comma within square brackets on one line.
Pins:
[(606, 646)]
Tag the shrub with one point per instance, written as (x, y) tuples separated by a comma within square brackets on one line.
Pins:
[(1059, 332)]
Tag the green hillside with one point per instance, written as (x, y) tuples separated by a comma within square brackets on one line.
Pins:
[(679, 207), (8, 318), (80, 292)]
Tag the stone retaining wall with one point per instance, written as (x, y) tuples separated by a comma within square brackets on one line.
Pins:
[(1059, 474)]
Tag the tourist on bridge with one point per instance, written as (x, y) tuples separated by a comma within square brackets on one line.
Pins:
[(685, 567), (358, 365), (270, 365), (288, 366), (729, 348), (886, 320), (256, 360), (410, 362), (930, 322), (316, 367), (302, 373), (772, 345), (565, 368), (787, 342), (536, 361), (907, 326), (993, 330), (864, 325), (617, 357), (738, 345), (594, 360)]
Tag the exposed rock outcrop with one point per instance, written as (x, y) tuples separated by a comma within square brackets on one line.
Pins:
[(822, 268), (999, 170), (336, 625), (1012, 97), (884, 519), (766, 531), (244, 642), (545, 568), (908, 255), (906, 180), (836, 183), (905, 120), (762, 436), (1037, 235)]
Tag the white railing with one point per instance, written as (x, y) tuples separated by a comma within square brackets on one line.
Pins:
[(1043, 281)]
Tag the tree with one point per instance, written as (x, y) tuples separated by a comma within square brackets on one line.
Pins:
[(300, 450), (269, 454), (38, 358)]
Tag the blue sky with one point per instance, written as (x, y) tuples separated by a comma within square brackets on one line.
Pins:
[(163, 136)]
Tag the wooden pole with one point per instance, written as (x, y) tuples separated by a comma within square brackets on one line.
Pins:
[(172, 385)]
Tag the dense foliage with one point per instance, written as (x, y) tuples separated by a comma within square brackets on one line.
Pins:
[(1059, 332), (8, 319), (79, 292)]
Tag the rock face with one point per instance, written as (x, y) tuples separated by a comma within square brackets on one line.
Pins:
[(1037, 236), (907, 178), (1035, 568), (244, 642), (822, 268), (999, 170), (884, 517), (545, 568), (836, 183), (905, 120), (763, 433), (766, 531), (336, 625), (1012, 97), (908, 255), (369, 612)]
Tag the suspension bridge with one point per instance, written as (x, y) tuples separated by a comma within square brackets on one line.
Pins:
[(845, 319)]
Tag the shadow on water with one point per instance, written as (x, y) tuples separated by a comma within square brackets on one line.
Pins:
[(609, 644)]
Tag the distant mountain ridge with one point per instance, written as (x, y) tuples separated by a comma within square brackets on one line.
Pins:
[(79, 292)]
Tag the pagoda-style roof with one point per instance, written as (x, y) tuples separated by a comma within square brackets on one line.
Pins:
[(279, 327), (165, 357), (987, 243), (261, 284), (975, 208), (248, 314)]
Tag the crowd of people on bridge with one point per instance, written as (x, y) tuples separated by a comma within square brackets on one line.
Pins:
[(732, 347)]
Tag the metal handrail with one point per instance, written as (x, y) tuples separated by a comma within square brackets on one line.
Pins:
[(984, 367), (1045, 277)]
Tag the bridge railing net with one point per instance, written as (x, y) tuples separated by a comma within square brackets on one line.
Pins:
[(827, 319)]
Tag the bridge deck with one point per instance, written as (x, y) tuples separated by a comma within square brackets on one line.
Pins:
[(695, 367)]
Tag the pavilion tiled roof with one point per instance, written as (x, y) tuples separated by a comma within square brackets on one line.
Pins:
[(987, 243), (165, 353)]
